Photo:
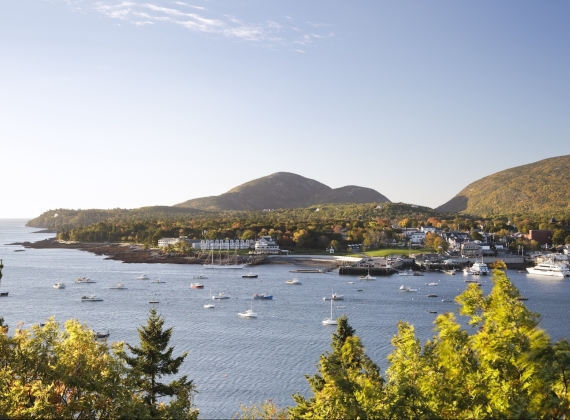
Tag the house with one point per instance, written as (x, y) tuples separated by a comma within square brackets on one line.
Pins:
[(471, 249), (417, 237), (266, 245)]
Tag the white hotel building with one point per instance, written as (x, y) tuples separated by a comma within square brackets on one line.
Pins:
[(224, 244)]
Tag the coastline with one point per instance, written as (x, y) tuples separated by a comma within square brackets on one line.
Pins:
[(136, 254)]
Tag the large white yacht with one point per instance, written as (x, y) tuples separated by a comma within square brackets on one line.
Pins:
[(479, 268), (550, 268)]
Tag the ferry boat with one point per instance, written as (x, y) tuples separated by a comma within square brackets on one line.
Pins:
[(550, 268)]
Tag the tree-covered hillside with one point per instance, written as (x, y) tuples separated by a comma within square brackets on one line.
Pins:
[(536, 188)]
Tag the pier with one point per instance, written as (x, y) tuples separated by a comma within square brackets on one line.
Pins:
[(362, 271)]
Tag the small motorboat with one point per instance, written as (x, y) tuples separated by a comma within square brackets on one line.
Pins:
[(221, 295), (407, 289), (406, 273), (451, 272), (294, 281), (446, 300), (200, 276), (4, 294), (153, 301), (100, 335), (91, 298), (432, 295), (433, 283), (262, 296), (196, 285), (59, 286), (84, 280), (143, 277), (249, 275), (119, 286), (158, 281), (334, 296), (209, 306)]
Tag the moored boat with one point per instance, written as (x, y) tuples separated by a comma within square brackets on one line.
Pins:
[(551, 269), (196, 285), (334, 296), (91, 298), (84, 280), (262, 296), (59, 286), (294, 281)]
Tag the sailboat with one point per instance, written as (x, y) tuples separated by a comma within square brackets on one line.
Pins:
[(331, 320), (367, 277), (227, 264), (249, 313), (210, 305)]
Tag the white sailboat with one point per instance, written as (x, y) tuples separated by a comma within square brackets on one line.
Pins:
[(249, 313), (331, 320), (210, 305)]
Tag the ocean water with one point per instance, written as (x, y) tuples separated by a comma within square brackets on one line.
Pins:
[(233, 360)]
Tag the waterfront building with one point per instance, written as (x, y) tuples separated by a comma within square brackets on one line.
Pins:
[(266, 245), (223, 244)]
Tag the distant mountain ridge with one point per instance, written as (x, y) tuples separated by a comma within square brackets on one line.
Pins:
[(283, 190), (538, 187)]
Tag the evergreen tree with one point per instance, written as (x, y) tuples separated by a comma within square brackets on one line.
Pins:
[(153, 360), (348, 384)]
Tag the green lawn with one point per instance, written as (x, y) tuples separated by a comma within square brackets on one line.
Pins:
[(397, 251)]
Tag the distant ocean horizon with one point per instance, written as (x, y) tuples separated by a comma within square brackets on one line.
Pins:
[(232, 360)]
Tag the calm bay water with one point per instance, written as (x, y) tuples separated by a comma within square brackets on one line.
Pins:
[(234, 360)]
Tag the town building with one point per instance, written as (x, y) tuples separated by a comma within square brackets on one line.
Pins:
[(266, 245), (164, 242), (224, 244)]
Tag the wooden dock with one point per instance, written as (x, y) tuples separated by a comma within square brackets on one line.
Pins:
[(362, 271)]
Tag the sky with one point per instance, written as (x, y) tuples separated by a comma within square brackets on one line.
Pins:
[(128, 103)]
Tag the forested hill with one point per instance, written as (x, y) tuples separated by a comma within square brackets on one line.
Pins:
[(536, 188), (327, 213), (283, 190)]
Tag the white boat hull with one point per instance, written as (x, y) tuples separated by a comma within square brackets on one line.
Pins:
[(551, 273)]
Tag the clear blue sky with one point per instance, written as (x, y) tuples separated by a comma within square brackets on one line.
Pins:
[(116, 103)]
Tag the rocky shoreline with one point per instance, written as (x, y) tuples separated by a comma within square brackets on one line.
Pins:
[(136, 254), (126, 253)]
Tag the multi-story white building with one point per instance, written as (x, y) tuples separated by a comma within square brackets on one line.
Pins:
[(164, 242), (266, 245), (224, 244), (417, 237)]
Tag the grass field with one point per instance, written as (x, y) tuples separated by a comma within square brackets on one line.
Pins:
[(397, 251)]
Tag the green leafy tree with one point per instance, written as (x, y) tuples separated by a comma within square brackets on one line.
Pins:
[(348, 384), (153, 360), (266, 410), (48, 373)]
